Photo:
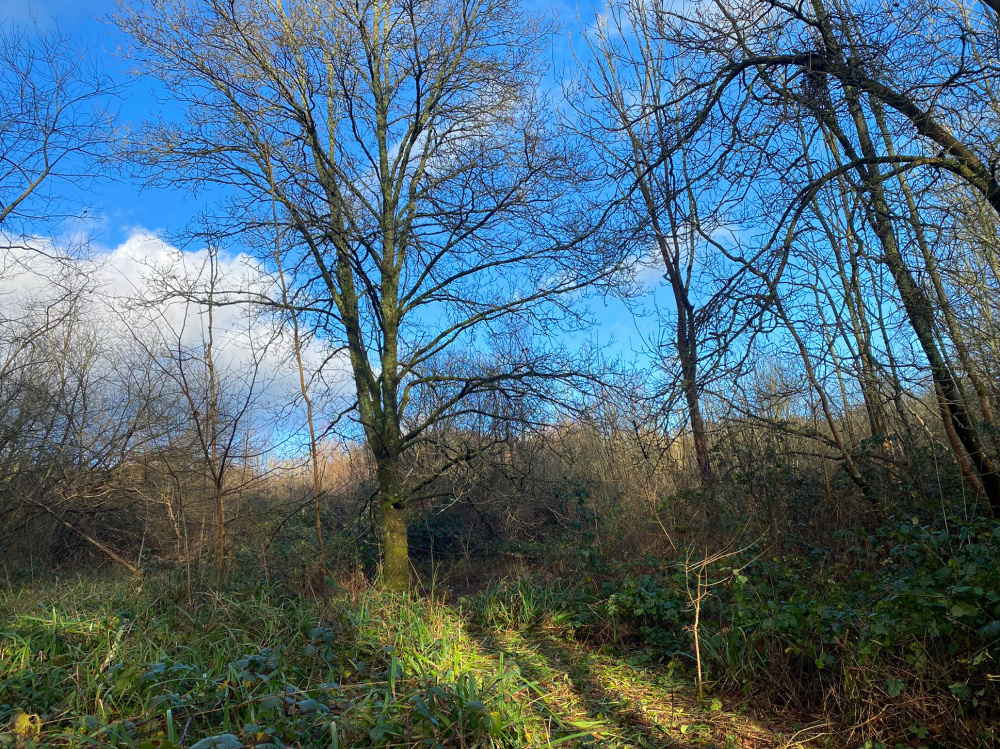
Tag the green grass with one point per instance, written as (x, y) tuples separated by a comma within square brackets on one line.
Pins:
[(108, 662), (117, 663), (893, 645), (602, 691), (531, 662)]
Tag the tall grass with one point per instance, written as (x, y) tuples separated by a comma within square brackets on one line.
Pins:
[(96, 663)]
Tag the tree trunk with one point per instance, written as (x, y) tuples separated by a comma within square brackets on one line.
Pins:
[(919, 310), (392, 527), (951, 324), (686, 344), (687, 353)]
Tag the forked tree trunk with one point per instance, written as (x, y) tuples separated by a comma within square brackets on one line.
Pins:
[(687, 348)]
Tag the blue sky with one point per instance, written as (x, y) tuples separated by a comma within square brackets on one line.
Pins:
[(119, 210), (118, 207)]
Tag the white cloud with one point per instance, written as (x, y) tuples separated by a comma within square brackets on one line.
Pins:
[(124, 298)]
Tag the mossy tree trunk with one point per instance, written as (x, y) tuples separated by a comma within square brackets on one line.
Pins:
[(392, 528)]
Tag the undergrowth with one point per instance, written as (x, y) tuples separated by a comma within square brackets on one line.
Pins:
[(894, 644), (114, 663)]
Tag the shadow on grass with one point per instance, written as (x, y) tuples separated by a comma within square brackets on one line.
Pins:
[(601, 700)]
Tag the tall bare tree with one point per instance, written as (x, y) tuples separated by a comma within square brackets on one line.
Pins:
[(411, 158), (887, 98), (666, 194), (220, 382)]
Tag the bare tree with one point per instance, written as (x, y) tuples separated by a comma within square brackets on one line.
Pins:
[(410, 157), (56, 129), (219, 383), (664, 188), (56, 126), (886, 98)]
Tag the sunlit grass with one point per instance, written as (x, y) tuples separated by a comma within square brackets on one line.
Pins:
[(609, 696), (119, 663)]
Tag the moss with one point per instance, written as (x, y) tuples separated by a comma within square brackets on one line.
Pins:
[(395, 550)]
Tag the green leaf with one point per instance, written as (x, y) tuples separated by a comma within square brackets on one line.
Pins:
[(571, 737), (270, 705), (962, 609), (919, 731), (894, 687), (961, 691), (222, 741)]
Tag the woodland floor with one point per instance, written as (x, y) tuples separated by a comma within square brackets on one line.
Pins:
[(94, 663), (597, 697)]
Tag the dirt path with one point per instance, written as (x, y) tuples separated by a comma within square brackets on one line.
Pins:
[(591, 698)]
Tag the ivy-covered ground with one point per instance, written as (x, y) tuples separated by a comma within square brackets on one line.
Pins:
[(124, 663), (894, 644)]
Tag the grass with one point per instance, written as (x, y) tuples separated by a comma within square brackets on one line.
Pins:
[(615, 699), (117, 662), (897, 649), (604, 693), (893, 644)]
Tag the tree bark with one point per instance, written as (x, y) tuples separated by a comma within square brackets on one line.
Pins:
[(688, 355), (392, 526)]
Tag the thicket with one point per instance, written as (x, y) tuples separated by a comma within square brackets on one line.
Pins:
[(881, 621)]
